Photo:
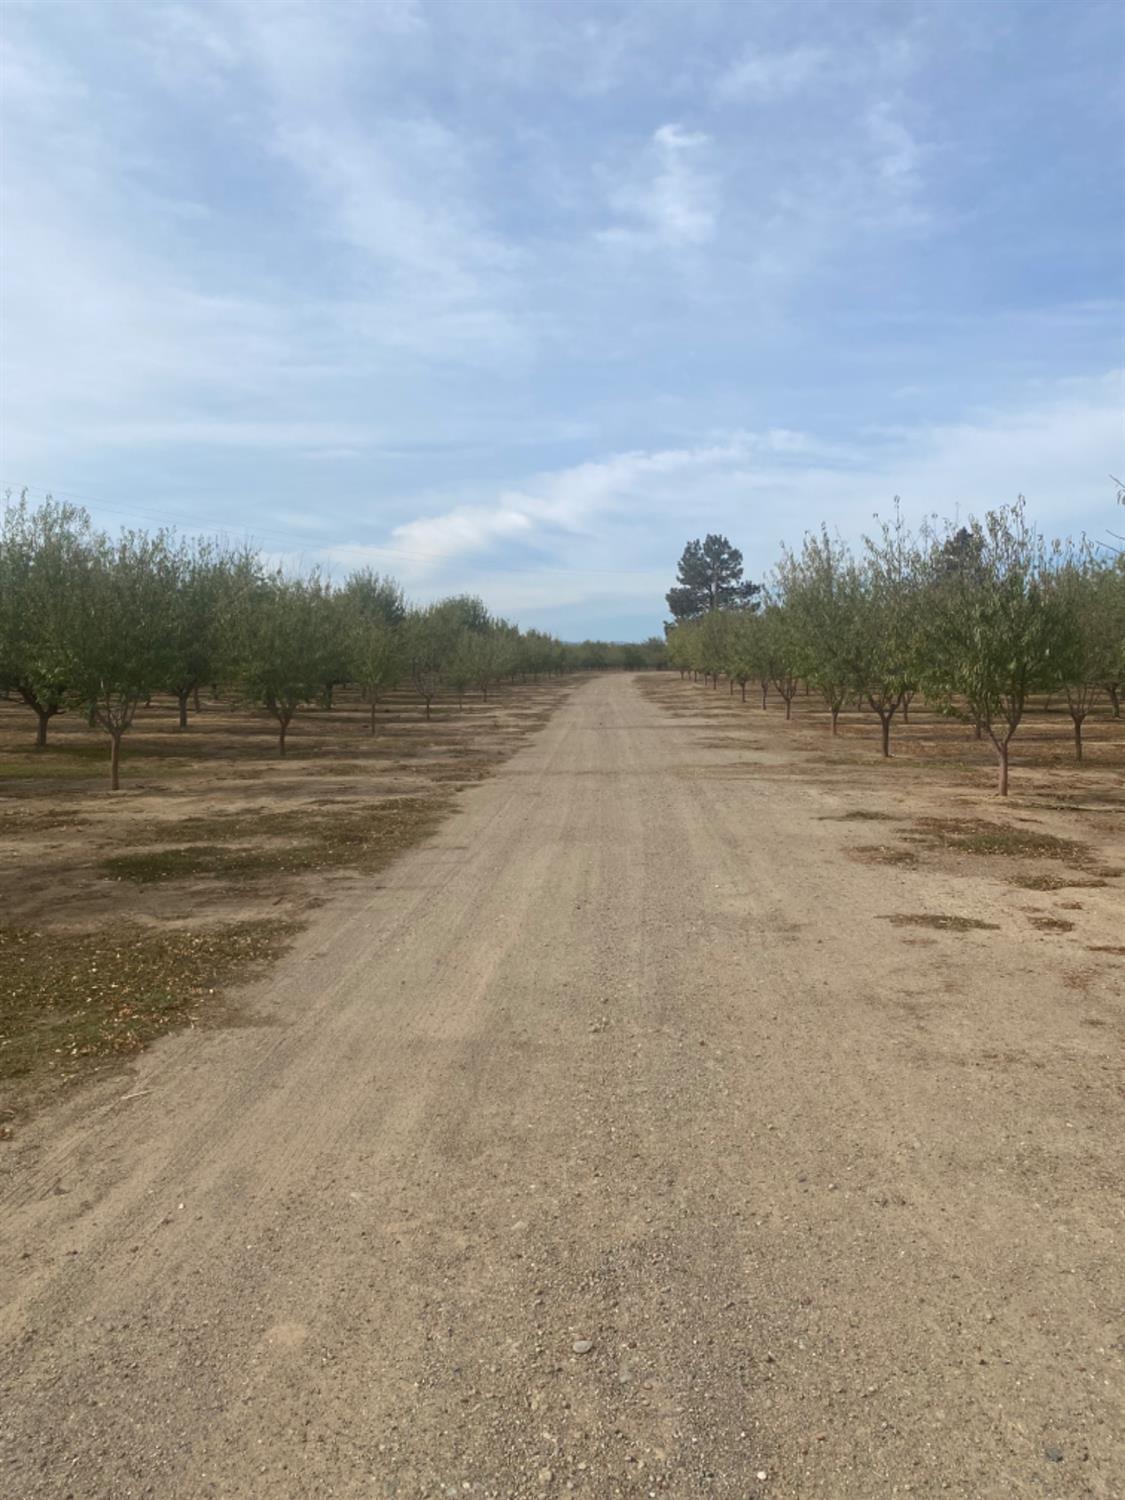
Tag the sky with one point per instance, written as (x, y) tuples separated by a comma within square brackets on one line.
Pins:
[(516, 298)]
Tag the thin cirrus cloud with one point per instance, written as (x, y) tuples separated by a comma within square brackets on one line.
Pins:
[(669, 198), (511, 300), (762, 77)]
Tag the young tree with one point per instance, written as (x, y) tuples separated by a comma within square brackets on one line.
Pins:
[(780, 653), (744, 652), (993, 630), (821, 591), (44, 564), (374, 659), (427, 641), (202, 575), (709, 577), (885, 640), (284, 649), (123, 653), (1091, 631)]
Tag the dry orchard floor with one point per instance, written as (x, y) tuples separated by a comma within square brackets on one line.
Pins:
[(666, 1124)]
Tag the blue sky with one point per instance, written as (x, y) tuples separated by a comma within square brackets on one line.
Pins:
[(517, 297)]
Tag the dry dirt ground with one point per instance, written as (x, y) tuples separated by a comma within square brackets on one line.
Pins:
[(666, 1124)]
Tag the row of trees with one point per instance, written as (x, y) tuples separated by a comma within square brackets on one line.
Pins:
[(977, 618), (101, 625)]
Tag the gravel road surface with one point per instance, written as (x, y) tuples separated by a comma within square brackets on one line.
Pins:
[(612, 1143)]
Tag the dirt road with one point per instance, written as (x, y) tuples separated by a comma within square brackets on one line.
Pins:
[(612, 1143)]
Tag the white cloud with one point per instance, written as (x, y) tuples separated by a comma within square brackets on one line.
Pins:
[(761, 77), (669, 200), (633, 509)]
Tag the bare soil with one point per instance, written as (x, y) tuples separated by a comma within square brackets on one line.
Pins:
[(621, 1139)]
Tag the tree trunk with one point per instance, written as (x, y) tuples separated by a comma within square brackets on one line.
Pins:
[(1078, 736), (765, 691), (979, 730), (181, 699), (41, 715), (195, 697), (907, 698), (788, 706), (371, 722), (115, 761), (835, 712), (1114, 697), (743, 687), (427, 708), (732, 687), (1002, 779), (885, 722)]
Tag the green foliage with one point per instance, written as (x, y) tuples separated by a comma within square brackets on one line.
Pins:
[(708, 578), (44, 563), (286, 644)]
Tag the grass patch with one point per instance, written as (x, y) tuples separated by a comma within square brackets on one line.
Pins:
[(1117, 948), (859, 815), (943, 922), (979, 836), (362, 837), (1052, 883), (73, 998), (884, 854), (1052, 924), (50, 769)]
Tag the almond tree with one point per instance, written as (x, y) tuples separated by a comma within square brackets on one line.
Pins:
[(1091, 631), (822, 591), (203, 578), (123, 652), (284, 645), (44, 559), (993, 632), (779, 661), (426, 642), (884, 641), (375, 659)]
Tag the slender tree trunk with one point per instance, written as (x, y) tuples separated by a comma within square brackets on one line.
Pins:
[(427, 708), (1078, 736), (41, 715), (788, 706), (765, 690), (835, 712), (371, 721), (1002, 778), (732, 687), (907, 698), (979, 730), (115, 760), (181, 699), (1114, 697), (742, 685), (195, 697)]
